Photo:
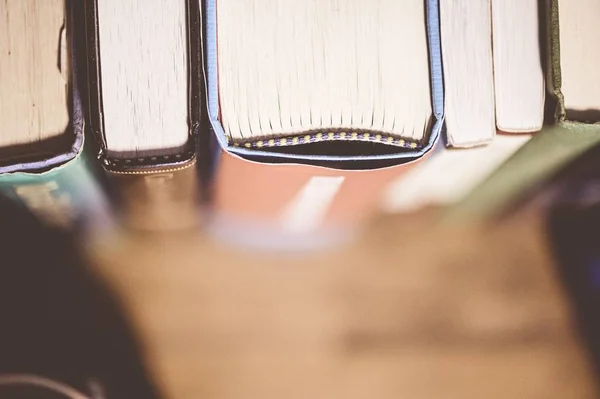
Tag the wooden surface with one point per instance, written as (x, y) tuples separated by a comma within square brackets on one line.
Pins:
[(409, 310)]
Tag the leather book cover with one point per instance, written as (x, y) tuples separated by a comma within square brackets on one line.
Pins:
[(60, 188), (158, 192), (261, 190)]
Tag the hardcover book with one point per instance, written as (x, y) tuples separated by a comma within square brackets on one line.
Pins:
[(43, 162), (309, 132), (145, 93), (573, 83), (494, 99)]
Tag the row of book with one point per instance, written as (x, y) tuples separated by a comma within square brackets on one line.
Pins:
[(289, 116)]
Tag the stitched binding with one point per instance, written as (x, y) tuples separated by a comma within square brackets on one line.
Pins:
[(327, 136)]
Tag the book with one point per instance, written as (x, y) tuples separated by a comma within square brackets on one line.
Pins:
[(572, 33), (303, 121), (43, 162), (145, 90), (518, 65), (493, 69), (572, 83), (566, 134), (466, 31), (494, 100)]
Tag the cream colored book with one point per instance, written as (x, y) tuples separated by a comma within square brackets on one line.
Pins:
[(575, 59), (358, 71), (144, 73), (34, 75), (145, 85), (466, 31), (518, 65), (493, 71), (42, 159), (316, 105)]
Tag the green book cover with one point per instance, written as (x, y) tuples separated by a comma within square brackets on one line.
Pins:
[(66, 195)]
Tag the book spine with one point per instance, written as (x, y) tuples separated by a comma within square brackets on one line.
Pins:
[(153, 192), (160, 200), (554, 79), (294, 200)]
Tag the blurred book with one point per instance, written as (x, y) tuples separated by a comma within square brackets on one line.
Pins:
[(42, 158), (313, 126), (145, 102), (63, 334)]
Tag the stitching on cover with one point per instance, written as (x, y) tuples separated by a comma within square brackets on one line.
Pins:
[(307, 138), (149, 172)]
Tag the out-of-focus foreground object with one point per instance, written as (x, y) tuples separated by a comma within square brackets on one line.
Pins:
[(410, 310), (62, 335)]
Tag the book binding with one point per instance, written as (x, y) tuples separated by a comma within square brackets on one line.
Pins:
[(144, 203)]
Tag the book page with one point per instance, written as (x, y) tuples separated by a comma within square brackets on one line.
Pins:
[(287, 67), (579, 58), (33, 71), (466, 29), (519, 76), (143, 57)]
